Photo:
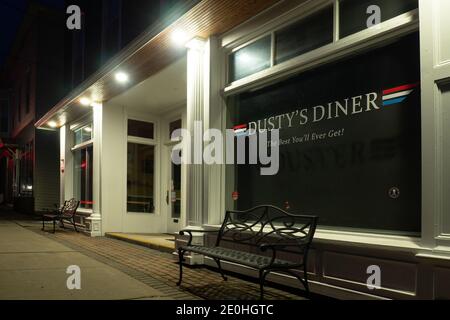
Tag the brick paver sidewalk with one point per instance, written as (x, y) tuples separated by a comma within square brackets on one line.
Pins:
[(160, 271)]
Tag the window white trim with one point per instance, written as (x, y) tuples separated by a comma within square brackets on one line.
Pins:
[(394, 242), (156, 161), (83, 145), (244, 35), (367, 39), (81, 122)]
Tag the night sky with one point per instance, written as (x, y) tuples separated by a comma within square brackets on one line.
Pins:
[(11, 15)]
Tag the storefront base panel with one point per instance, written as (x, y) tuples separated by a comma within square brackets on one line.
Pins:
[(86, 223), (341, 271)]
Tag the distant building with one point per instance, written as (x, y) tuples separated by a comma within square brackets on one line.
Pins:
[(33, 79), (5, 193)]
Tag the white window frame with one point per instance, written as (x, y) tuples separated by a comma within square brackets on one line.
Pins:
[(90, 143), (148, 142), (77, 127), (367, 39)]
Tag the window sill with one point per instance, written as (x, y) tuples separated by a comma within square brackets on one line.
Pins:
[(376, 241), (142, 213), (85, 212), (369, 240)]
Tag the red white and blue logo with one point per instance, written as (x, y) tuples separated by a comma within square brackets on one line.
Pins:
[(240, 130), (397, 94)]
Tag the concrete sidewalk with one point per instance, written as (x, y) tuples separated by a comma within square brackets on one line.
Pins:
[(34, 267)]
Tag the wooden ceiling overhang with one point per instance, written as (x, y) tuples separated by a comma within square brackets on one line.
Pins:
[(153, 52)]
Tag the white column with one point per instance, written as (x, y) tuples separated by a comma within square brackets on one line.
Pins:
[(435, 72), (195, 112), (214, 114), (205, 202)]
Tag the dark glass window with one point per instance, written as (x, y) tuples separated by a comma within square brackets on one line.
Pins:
[(250, 59), (141, 129), (140, 178), (26, 170), (309, 34), (83, 134), (350, 138), (353, 13), (176, 190), (174, 125), (83, 160)]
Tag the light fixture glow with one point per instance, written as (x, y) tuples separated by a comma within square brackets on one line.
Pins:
[(85, 101), (179, 37), (52, 124), (88, 129), (244, 58), (122, 77)]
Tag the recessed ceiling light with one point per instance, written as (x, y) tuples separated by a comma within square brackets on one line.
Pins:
[(85, 101), (179, 37), (52, 124), (122, 77)]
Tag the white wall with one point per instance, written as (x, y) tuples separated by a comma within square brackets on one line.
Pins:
[(113, 173)]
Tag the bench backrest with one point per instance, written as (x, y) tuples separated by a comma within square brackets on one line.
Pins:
[(70, 208), (268, 225)]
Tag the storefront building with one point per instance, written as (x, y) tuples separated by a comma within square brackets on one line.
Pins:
[(362, 119)]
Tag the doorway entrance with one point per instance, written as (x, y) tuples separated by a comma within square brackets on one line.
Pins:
[(174, 194)]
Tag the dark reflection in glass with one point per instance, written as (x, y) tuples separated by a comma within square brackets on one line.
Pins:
[(141, 129), (140, 182), (176, 190), (354, 16), (342, 166), (306, 35), (250, 59), (83, 173)]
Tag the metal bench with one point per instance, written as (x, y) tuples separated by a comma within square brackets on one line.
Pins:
[(268, 234), (66, 212)]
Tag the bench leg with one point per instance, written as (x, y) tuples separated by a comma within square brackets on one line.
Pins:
[(262, 278), (305, 281), (220, 269), (74, 225), (180, 261)]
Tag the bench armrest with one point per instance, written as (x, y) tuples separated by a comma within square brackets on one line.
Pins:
[(190, 231)]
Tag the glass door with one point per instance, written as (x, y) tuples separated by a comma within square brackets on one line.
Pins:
[(174, 195)]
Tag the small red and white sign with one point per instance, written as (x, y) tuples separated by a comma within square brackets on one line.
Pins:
[(235, 195)]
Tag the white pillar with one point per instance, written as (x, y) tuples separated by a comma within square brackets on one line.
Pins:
[(435, 72), (195, 112), (205, 203)]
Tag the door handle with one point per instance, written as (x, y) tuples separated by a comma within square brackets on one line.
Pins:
[(167, 197)]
